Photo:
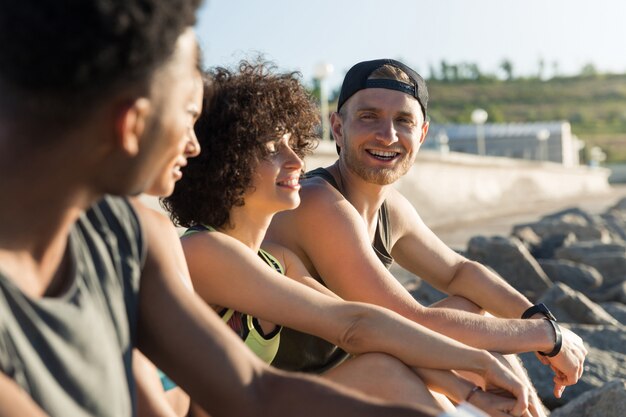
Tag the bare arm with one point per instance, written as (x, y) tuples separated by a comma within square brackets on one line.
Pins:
[(338, 249), (14, 402), (458, 390), (182, 336), (235, 277), (294, 268)]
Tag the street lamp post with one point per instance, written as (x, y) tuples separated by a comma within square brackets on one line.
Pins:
[(479, 117), (542, 137), (322, 71)]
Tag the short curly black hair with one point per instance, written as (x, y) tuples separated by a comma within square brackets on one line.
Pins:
[(244, 109), (58, 57)]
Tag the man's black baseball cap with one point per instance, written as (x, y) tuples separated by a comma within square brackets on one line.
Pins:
[(357, 79)]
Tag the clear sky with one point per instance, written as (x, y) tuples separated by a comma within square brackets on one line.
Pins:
[(298, 34)]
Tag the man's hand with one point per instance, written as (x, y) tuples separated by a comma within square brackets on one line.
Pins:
[(495, 404), (568, 364), (505, 380)]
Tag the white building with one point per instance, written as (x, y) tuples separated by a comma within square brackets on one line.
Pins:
[(542, 141)]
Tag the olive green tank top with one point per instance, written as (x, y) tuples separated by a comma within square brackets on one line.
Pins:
[(265, 346)]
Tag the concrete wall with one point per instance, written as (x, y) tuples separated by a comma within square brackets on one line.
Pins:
[(460, 187)]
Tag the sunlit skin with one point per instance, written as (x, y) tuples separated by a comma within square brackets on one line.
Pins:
[(185, 144), (164, 143), (379, 132), (275, 187), (277, 179)]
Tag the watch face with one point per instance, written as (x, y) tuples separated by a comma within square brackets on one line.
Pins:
[(545, 311)]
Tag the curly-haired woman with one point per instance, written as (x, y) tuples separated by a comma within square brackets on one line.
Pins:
[(254, 129)]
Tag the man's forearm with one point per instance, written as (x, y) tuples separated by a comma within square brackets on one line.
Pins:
[(446, 382), (490, 333), (487, 290)]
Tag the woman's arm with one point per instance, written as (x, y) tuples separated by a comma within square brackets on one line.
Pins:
[(226, 272), (181, 335)]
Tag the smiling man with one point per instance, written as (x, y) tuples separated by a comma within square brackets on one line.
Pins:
[(352, 224)]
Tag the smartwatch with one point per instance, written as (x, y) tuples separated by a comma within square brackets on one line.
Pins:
[(540, 308), (558, 337)]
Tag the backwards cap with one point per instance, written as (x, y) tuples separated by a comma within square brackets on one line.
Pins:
[(357, 79)]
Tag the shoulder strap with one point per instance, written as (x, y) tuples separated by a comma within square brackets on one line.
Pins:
[(198, 228), (271, 261), (325, 175)]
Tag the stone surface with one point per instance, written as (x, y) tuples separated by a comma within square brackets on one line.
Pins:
[(577, 276), (571, 306), (425, 293), (615, 222), (606, 401), (578, 251), (615, 309), (615, 292), (572, 214), (510, 259), (607, 353), (582, 225), (608, 259)]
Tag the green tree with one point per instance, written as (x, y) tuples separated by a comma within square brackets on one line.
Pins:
[(588, 70), (507, 66)]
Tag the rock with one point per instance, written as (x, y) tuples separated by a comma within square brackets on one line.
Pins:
[(510, 258), (571, 306), (617, 293), (551, 242), (620, 205), (580, 250), (608, 259), (528, 237), (615, 222), (577, 276), (606, 401), (425, 293), (607, 353), (579, 214), (615, 309), (575, 221)]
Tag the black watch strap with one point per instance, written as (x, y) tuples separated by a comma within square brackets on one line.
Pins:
[(540, 308), (558, 340)]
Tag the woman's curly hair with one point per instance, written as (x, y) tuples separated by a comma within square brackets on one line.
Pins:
[(242, 110)]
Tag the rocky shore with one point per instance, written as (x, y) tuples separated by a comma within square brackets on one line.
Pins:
[(575, 262)]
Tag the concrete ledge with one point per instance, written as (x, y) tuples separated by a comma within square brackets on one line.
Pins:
[(455, 187)]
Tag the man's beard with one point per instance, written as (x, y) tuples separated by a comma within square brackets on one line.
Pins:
[(375, 175)]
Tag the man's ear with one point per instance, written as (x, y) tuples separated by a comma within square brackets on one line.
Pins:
[(336, 127), (131, 124), (425, 127)]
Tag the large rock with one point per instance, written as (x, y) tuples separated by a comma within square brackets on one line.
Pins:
[(528, 237), (575, 221), (608, 259), (579, 251), (615, 309), (616, 292), (510, 258), (615, 222), (571, 306), (577, 276), (620, 205), (607, 354), (606, 401)]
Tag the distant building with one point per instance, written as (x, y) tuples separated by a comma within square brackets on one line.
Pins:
[(542, 141)]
